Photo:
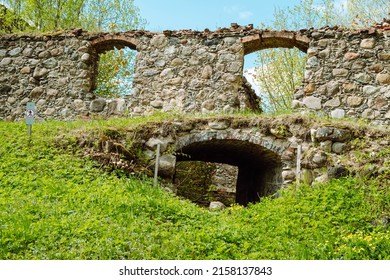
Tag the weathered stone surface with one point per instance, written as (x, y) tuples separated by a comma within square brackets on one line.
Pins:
[(153, 142), (309, 88), (370, 90), (167, 166), (15, 51), (159, 41), (49, 111), (338, 171), (37, 92), (221, 125), (384, 56), (177, 62), (6, 61), (338, 147), (40, 73), (377, 67), (340, 72), (383, 79), (98, 105), (351, 56), (333, 134), (25, 70), (158, 104), (354, 101), (335, 102), (312, 102), (367, 43), (207, 72), (338, 113)]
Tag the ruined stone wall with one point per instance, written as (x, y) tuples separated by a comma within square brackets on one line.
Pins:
[(182, 71), (53, 72), (348, 74), (188, 74)]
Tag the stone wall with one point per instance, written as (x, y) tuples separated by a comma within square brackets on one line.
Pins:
[(53, 72), (183, 71), (348, 74), (188, 74)]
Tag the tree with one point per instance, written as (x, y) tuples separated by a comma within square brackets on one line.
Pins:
[(280, 71)]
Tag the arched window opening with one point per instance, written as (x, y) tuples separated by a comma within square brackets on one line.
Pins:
[(114, 68), (274, 66)]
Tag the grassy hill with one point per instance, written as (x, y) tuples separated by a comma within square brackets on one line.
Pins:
[(56, 204)]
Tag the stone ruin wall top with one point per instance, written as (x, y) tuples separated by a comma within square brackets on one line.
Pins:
[(347, 72)]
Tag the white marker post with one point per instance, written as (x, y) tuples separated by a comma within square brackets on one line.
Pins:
[(30, 112)]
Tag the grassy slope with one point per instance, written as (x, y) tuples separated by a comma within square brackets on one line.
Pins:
[(55, 205)]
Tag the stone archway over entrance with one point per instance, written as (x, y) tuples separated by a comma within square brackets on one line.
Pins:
[(274, 39), (110, 41), (259, 169), (107, 43)]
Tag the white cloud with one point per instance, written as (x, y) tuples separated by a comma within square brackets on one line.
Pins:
[(245, 14), (238, 11), (231, 9)]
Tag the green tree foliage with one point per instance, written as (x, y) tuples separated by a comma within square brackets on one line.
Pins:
[(280, 71), (11, 20), (115, 67)]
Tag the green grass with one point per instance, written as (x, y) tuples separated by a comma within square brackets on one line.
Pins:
[(54, 204)]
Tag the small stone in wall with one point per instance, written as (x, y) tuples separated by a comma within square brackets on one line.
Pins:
[(158, 104), (15, 51), (377, 67), (368, 43), (309, 88), (5, 61), (25, 70), (177, 62), (37, 92), (370, 90), (340, 72), (351, 56), (363, 78), (334, 102), (312, 102), (338, 147), (354, 101), (167, 166), (383, 79), (40, 73), (207, 72), (49, 111), (337, 114), (97, 105), (370, 114)]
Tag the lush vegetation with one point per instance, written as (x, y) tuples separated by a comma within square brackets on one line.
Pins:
[(55, 204)]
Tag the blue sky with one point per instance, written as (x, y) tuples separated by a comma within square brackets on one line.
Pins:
[(200, 14)]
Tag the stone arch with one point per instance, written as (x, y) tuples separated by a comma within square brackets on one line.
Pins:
[(275, 39), (110, 41), (259, 162)]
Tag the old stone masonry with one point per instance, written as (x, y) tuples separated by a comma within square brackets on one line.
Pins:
[(347, 72)]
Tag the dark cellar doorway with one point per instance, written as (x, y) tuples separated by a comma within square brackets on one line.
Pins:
[(259, 169)]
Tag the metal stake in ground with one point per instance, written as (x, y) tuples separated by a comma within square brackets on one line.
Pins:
[(156, 166), (30, 112)]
